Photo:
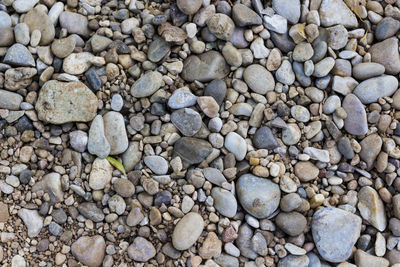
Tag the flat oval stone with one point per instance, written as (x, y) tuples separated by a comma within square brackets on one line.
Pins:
[(258, 196), (141, 250), (77, 63), (74, 23), (61, 102), (364, 71), (259, 79), (182, 99), (369, 91), (157, 164), (187, 121), (192, 150), (386, 28), (187, 231), (147, 84), (356, 120), (236, 145), (224, 202), (97, 142), (306, 171), (63, 47), (221, 26), (214, 176), (205, 67), (100, 174), (158, 49), (10, 100), (335, 232), (244, 16)]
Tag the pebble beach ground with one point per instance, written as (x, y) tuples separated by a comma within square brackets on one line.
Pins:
[(199, 133)]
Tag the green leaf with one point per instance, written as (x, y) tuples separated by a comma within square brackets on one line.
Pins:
[(116, 164)]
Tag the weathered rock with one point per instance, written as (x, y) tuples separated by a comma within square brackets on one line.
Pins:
[(356, 120), (97, 142), (187, 121), (61, 102), (224, 202), (90, 211), (370, 148), (236, 145), (259, 79), (292, 223), (335, 231), (89, 251), (38, 20), (19, 55), (141, 250), (100, 175), (288, 9), (371, 208), (333, 12), (259, 197), (32, 220), (244, 16), (50, 183), (363, 259), (387, 54), (221, 26), (77, 63), (306, 171), (74, 23), (9, 100), (205, 67), (192, 150)]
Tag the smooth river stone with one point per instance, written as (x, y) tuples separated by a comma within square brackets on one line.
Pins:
[(61, 102), (356, 120), (369, 91), (187, 231), (258, 196), (259, 79), (224, 202), (38, 20), (115, 132), (372, 208), (89, 250), (192, 150), (147, 84), (335, 231), (205, 67)]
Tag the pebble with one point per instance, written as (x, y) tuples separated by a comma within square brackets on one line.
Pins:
[(264, 138), (285, 73), (356, 120), (335, 231), (244, 16), (97, 142), (292, 223), (9, 100), (208, 105), (182, 99), (288, 9), (18, 261), (224, 202), (5, 20), (141, 250), (290, 202), (276, 23), (78, 140), (303, 52), (386, 53), (187, 121), (323, 67), (221, 26), (259, 197), (371, 90), (216, 89), (294, 261), (115, 132), (371, 208), (306, 171), (19, 55), (74, 23), (205, 67), (117, 102), (259, 79), (157, 164), (386, 28), (51, 182), (189, 7), (291, 135), (370, 148), (158, 49), (100, 175), (235, 144), (364, 71), (187, 231), (334, 12), (21, 33), (89, 250), (63, 47), (300, 113), (192, 150), (23, 6), (362, 258), (32, 220), (61, 102), (146, 85), (36, 19), (91, 211)]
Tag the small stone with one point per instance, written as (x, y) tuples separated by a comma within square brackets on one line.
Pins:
[(182, 99), (124, 187), (21, 32), (221, 26), (291, 135), (371, 208), (141, 250), (335, 231), (332, 12), (32, 220), (300, 113), (259, 197), (5, 20), (36, 19), (259, 79), (187, 121), (292, 223), (356, 120), (158, 49), (259, 49), (89, 250), (97, 142), (303, 52), (187, 231), (264, 138), (189, 7), (244, 16), (135, 216), (9, 100), (61, 102), (23, 6), (205, 67), (285, 73), (117, 102), (306, 171), (387, 28), (323, 67), (294, 261), (387, 54), (362, 259), (147, 84), (371, 90), (100, 175), (216, 89), (157, 164), (370, 148), (50, 183), (63, 47), (91, 211), (338, 37), (290, 202), (211, 247), (224, 202), (115, 132), (208, 105), (192, 150), (364, 71), (288, 9), (18, 261), (77, 63), (78, 140), (235, 144), (132, 156), (74, 23), (276, 23), (19, 55)]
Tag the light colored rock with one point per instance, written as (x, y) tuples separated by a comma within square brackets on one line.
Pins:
[(50, 183), (32, 220), (236, 145), (187, 231), (115, 132), (97, 142), (371, 208), (100, 175), (369, 91), (89, 251)]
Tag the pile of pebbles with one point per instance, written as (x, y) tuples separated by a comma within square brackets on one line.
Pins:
[(250, 133)]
